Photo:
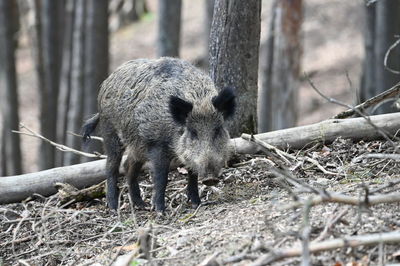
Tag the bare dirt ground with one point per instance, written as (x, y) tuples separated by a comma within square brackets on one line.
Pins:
[(242, 217)]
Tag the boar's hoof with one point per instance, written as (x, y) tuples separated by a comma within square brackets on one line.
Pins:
[(195, 205), (141, 205), (159, 210), (112, 203), (160, 213)]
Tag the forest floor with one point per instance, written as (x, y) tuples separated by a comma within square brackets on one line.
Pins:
[(243, 217)]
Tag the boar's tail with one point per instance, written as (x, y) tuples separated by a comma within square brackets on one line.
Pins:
[(89, 127)]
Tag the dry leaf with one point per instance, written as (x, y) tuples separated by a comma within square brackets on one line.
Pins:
[(182, 170), (131, 247)]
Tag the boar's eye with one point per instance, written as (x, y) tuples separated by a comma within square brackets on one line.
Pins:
[(192, 133)]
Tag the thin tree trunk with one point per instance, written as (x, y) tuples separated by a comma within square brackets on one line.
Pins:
[(169, 25), (368, 76), (96, 57), (50, 37), (65, 78), (209, 10), (10, 145), (234, 47), (75, 113), (387, 26), (277, 103), (383, 23), (208, 18)]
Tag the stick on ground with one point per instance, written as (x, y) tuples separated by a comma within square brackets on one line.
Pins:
[(350, 241)]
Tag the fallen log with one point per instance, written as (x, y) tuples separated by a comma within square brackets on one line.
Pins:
[(325, 132), (20, 187), (17, 188)]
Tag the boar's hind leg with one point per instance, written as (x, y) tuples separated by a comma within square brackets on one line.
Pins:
[(114, 151), (134, 190), (193, 190), (160, 161)]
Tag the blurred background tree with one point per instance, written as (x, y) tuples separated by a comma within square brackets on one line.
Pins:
[(10, 152), (280, 67), (382, 30), (169, 27)]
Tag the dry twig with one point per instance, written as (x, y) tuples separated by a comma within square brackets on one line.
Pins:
[(284, 155), (58, 146), (350, 200), (348, 241), (390, 93)]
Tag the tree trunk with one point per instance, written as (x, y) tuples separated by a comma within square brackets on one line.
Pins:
[(17, 188), (209, 13), (208, 18), (87, 69), (277, 102), (10, 147), (169, 27), (65, 78), (75, 112), (234, 47), (50, 35), (96, 58), (124, 12), (383, 23), (367, 89)]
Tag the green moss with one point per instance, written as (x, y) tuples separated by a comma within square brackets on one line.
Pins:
[(135, 263)]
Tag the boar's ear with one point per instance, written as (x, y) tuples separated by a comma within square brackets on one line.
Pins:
[(225, 102), (179, 109)]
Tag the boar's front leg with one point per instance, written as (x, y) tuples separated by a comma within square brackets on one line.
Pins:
[(193, 189), (160, 160), (114, 151)]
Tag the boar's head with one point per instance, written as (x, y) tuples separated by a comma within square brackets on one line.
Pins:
[(203, 138)]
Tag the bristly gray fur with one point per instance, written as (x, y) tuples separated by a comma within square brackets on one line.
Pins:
[(134, 110)]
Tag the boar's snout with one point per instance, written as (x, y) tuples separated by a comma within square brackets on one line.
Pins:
[(211, 168)]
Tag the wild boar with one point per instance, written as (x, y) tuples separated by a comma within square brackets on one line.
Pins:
[(158, 110)]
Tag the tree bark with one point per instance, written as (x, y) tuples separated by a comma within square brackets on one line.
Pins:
[(169, 27), (65, 78), (277, 102), (17, 188), (383, 23), (50, 35), (20, 187), (324, 132), (86, 66), (209, 14), (10, 146), (75, 112), (96, 52), (235, 39), (96, 58), (367, 89)]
